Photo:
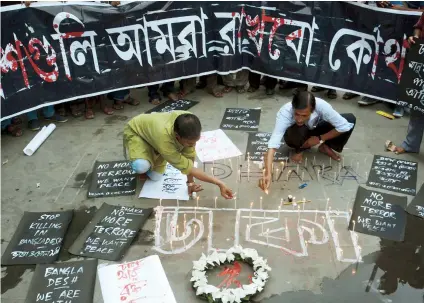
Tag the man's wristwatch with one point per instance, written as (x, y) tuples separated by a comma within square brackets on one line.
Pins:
[(320, 139)]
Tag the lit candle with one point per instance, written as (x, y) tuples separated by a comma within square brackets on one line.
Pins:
[(335, 176), (197, 201), (212, 172), (298, 216), (216, 198), (281, 202), (285, 222), (326, 206), (178, 202), (172, 249), (177, 232), (318, 174), (304, 202), (314, 160), (195, 226), (316, 214), (160, 202), (303, 176), (267, 236), (279, 209), (330, 161), (235, 202), (201, 218), (260, 202), (353, 223), (306, 162), (231, 164), (185, 221), (297, 169), (250, 214), (306, 246)]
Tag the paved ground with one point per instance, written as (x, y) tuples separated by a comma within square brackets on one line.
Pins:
[(63, 165)]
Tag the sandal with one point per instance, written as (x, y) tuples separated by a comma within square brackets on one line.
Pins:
[(108, 110), (155, 101), (348, 96), (241, 89), (332, 94), (252, 89), (227, 89), (390, 146), (217, 94), (316, 89), (118, 105), (89, 114), (132, 101), (13, 130), (75, 111)]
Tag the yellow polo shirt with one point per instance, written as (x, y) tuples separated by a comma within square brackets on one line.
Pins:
[(152, 137)]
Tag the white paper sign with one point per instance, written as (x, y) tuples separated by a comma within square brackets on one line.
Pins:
[(173, 185), (141, 281), (215, 145)]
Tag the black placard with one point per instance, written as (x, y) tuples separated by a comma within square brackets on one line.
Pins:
[(110, 233), (69, 282), (241, 119), (411, 85), (416, 207), (38, 238), (111, 179), (394, 175), (170, 106), (379, 214), (257, 145)]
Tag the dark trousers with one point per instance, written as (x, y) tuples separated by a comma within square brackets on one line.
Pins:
[(296, 135), (167, 88), (255, 81)]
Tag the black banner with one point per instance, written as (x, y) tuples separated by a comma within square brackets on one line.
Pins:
[(52, 54)]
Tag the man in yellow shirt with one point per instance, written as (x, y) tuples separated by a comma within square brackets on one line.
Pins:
[(154, 139)]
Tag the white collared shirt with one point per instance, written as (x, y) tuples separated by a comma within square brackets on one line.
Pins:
[(323, 112)]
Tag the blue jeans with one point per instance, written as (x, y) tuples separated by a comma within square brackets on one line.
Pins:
[(414, 136), (141, 166), (48, 112), (119, 95), (5, 123)]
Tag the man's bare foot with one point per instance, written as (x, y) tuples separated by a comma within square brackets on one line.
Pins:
[(297, 158), (399, 150), (173, 97), (323, 148)]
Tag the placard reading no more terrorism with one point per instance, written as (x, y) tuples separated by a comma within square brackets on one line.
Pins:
[(53, 54)]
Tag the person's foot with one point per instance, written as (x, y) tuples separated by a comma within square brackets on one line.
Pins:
[(348, 96), (13, 130), (217, 94), (316, 89), (56, 118), (331, 94), (241, 89), (155, 101), (227, 89), (34, 124), (252, 89), (399, 150), (173, 97), (118, 104), (367, 101), (323, 148), (297, 158), (398, 112), (132, 101)]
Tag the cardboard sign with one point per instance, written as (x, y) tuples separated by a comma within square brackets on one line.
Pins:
[(416, 207), (215, 145), (170, 106), (241, 119), (257, 146), (111, 179), (394, 175), (411, 85), (110, 233), (38, 238), (141, 281), (173, 185), (379, 214), (70, 282)]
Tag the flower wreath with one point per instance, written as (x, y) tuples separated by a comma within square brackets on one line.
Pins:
[(242, 294)]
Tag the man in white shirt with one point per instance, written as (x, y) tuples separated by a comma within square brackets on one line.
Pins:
[(305, 122)]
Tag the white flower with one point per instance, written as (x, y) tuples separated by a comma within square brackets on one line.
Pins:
[(236, 249), (197, 274), (239, 294), (249, 253), (210, 289), (250, 289), (260, 262), (217, 295), (230, 257), (222, 257), (262, 274), (227, 296), (258, 282), (200, 286), (213, 258), (199, 265)]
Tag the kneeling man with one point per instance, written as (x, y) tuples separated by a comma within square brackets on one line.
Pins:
[(305, 122), (154, 139)]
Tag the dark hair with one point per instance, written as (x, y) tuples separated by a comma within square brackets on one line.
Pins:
[(188, 126), (303, 99)]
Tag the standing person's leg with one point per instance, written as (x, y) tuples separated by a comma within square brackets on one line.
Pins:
[(50, 114), (414, 135), (120, 97), (229, 82), (212, 86), (202, 82), (154, 96), (168, 90), (187, 86), (241, 80), (254, 82), (336, 144), (10, 129), (270, 84), (33, 122)]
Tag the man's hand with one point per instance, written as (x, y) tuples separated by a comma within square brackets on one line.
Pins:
[(265, 182), (411, 39), (115, 3), (194, 189), (312, 141), (226, 192)]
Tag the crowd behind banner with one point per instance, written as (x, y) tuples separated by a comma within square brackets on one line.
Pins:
[(62, 52)]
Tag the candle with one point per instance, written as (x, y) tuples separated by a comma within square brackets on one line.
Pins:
[(326, 206), (231, 164), (330, 161), (197, 201), (250, 214), (357, 166), (281, 202), (160, 202), (185, 221), (335, 176), (353, 223), (285, 221), (322, 166), (303, 176), (267, 236), (201, 218), (260, 202), (318, 174), (306, 246), (216, 198), (178, 202), (323, 219), (316, 214), (298, 216), (172, 249), (279, 209), (288, 174), (212, 172), (306, 162), (297, 169), (238, 175), (341, 253), (195, 226), (314, 160), (177, 232), (304, 202), (235, 202)]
